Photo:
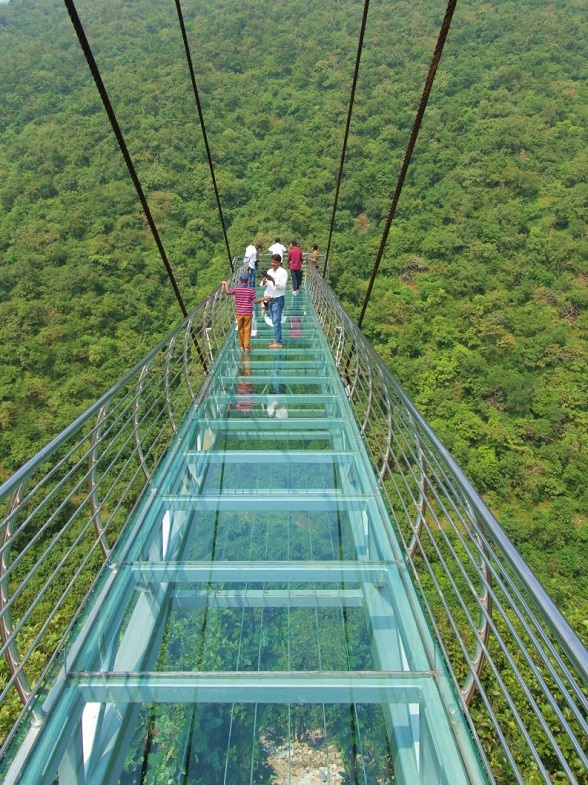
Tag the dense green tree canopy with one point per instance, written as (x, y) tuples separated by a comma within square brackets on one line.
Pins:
[(480, 307)]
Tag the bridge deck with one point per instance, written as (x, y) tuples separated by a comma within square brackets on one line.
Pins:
[(257, 622)]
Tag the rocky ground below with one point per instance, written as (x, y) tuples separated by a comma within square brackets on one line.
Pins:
[(306, 763)]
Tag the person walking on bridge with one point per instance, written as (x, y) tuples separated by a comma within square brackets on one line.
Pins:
[(251, 259), (275, 281), (278, 248), (244, 298), (295, 265), (314, 256)]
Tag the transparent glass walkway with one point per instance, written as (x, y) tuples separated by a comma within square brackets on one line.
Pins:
[(257, 622)]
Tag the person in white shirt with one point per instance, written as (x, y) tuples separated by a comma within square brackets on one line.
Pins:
[(278, 248), (251, 259), (275, 281)]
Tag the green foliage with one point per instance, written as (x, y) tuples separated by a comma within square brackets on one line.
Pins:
[(481, 304)]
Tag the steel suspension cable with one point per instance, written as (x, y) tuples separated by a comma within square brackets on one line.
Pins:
[(69, 4), (411, 143), (347, 126), (203, 127)]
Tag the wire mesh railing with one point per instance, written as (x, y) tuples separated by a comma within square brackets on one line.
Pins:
[(62, 513), (520, 670)]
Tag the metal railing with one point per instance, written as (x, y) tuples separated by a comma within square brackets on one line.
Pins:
[(62, 513), (519, 668)]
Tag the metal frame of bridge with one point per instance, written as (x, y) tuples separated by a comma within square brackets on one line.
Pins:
[(279, 556)]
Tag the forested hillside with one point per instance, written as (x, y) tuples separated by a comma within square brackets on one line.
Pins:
[(481, 305)]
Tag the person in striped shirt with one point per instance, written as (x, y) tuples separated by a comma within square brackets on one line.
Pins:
[(244, 298)]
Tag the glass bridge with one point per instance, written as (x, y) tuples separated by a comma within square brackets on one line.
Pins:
[(265, 568)]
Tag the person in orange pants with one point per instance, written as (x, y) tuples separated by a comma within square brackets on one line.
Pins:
[(244, 298)]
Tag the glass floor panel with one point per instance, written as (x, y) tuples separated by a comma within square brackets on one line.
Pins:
[(281, 410), (271, 439), (229, 528), (264, 638), (271, 744), (270, 472), (189, 730), (257, 622)]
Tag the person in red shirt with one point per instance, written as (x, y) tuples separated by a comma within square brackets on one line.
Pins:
[(244, 298), (295, 265)]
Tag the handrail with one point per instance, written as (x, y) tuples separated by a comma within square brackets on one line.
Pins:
[(63, 510), (21, 474), (488, 609), (567, 637), (518, 668)]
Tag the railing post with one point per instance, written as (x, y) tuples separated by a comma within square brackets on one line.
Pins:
[(95, 504), (13, 660), (168, 356), (187, 334), (476, 661), (421, 505), (137, 422)]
